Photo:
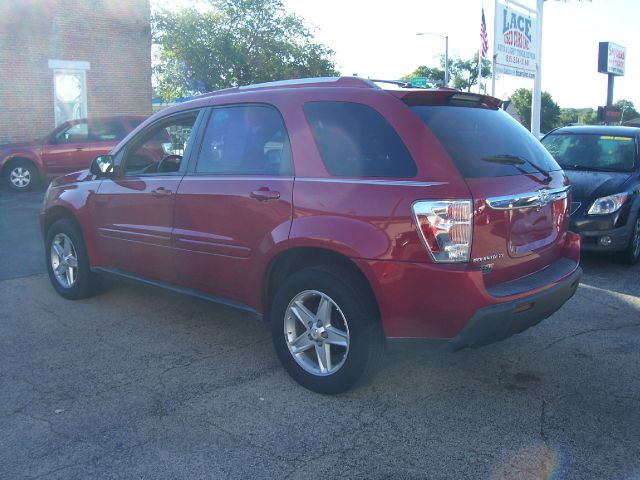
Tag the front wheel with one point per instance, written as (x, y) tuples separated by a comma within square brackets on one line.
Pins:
[(67, 261), (326, 329), (632, 254), (22, 175)]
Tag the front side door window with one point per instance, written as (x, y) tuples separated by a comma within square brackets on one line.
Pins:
[(161, 149), (79, 132)]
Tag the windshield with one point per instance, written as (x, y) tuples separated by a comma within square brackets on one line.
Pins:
[(471, 135), (592, 152)]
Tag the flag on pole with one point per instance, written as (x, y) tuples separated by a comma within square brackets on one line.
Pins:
[(484, 48)]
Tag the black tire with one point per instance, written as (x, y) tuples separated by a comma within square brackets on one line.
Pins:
[(22, 175), (85, 282), (632, 254), (356, 363)]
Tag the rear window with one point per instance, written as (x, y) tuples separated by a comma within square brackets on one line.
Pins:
[(354, 140), (471, 134), (592, 152)]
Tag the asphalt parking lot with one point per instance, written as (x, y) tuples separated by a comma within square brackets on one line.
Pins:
[(141, 383)]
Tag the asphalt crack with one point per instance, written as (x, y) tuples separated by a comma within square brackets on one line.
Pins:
[(585, 332)]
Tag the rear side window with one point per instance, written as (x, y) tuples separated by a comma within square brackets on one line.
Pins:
[(354, 140), (472, 134)]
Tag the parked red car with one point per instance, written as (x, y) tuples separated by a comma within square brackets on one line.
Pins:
[(69, 148), (340, 212)]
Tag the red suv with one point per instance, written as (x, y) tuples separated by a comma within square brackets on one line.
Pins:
[(340, 212), (70, 147)]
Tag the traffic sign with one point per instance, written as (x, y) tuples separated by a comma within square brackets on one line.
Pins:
[(419, 81)]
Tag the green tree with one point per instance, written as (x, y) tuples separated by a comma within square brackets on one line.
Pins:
[(464, 72), (627, 108), (589, 117), (550, 111), (577, 115), (235, 42)]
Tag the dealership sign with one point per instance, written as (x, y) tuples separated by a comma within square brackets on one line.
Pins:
[(611, 58), (516, 42)]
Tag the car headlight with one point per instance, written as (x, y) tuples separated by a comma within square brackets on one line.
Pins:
[(609, 204)]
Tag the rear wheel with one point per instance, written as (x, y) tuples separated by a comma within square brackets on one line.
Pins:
[(326, 330), (67, 261), (632, 254), (22, 175)]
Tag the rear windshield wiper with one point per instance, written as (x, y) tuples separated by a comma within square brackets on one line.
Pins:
[(515, 160)]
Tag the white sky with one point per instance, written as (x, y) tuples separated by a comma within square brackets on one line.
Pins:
[(377, 39)]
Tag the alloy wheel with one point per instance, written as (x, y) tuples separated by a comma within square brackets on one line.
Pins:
[(64, 260), (20, 177), (316, 333)]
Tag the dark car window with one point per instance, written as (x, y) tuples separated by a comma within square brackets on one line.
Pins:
[(245, 140), (592, 151), (472, 134), (354, 140), (78, 132), (160, 148), (107, 130), (134, 123)]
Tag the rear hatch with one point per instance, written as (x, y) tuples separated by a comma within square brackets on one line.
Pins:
[(519, 193)]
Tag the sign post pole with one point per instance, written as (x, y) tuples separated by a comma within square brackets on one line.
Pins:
[(536, 99), (611, 60)]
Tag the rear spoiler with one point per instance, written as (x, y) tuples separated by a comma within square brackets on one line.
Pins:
[(446, 96)]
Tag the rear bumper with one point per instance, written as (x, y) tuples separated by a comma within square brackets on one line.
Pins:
[(497, 322), (452, 303)]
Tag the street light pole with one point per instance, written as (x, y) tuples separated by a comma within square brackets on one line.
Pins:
[(446, 54)]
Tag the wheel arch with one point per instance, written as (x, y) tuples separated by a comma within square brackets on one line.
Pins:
[(56, 213), (17, 157), (286, 263)]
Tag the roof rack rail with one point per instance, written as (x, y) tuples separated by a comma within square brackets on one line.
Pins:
[(399, 83), (302, 82)]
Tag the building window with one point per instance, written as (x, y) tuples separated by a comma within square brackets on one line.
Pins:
[(69, 89)]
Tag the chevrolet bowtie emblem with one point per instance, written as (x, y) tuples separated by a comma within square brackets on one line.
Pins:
[(544, 197)]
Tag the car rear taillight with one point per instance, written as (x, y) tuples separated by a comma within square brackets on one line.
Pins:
[(445, 228)]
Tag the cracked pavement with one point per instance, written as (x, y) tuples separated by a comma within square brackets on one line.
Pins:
[(142, 383)]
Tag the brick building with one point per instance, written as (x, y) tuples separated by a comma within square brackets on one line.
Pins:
[(62, 59)]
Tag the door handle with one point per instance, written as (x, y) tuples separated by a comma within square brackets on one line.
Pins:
[(264, 194), (161, 192)]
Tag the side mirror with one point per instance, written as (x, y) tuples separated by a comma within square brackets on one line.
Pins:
[(103, 166)]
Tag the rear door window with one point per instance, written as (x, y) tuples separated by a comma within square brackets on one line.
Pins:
[(245, 140), (107, 130), (354, 140), (472, 134)]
